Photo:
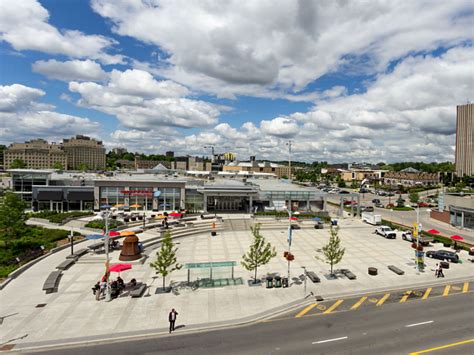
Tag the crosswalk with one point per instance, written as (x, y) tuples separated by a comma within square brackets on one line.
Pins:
[(378, 300)]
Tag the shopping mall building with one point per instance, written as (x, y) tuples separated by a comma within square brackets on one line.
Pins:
[(162, 191)]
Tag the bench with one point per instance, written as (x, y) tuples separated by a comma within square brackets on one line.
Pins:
[(66, 264), (348, 274), (396, 270), (312, 276), (51, 283), (78, 254), (211, 216), (187, 219), (138, 290)]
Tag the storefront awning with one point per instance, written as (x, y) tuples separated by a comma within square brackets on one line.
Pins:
[(80, 196), (50, 196)]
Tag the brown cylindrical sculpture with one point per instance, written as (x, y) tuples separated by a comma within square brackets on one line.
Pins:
[(130, 250)]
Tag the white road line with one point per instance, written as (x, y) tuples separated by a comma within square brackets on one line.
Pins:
[(415, 324), (328, 340)]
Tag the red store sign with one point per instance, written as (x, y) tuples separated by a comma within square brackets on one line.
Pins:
[(137, 192)]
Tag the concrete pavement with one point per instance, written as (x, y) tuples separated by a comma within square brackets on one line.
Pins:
[(72, 314)]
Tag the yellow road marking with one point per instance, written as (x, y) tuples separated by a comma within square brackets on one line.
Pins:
[(405, 297), (465, 287), (383, 299), (333, 307), (427, 293), (359, 303), (373, 300), (442, 347), (306, 310), (446, 290)]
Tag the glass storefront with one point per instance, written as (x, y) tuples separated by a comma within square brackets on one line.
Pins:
[(169, 198), (141, 196), (112, 195), (194, 200)]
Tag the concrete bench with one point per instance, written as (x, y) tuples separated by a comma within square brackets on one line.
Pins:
[(138, 290), (187, 219), (348, 274), (51, 283), (396, 270), (208, 216), (78, 254), (66, 264)]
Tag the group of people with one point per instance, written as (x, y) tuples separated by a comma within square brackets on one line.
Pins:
[(116, 287)]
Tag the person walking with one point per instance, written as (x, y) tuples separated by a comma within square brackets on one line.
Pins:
[(172, 319), (437, 270), (440, 271)]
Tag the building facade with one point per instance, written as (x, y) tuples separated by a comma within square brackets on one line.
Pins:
[(410, 179), (36, 154), (455, 209), (83, 151), (465, 140)]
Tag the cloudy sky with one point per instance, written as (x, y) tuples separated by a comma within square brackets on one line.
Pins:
[(344, 80)]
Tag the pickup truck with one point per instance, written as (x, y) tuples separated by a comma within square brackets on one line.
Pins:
[(386, 231), (407, 235)]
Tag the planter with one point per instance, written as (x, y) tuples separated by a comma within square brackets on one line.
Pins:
[(419, 248), (446, 245), (213, 233), (444, 264), (161, 290), (133, 219), (373, 271), (140, 218), (126, 220), (252, 283)]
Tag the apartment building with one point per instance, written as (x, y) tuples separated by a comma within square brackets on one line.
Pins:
[(465, 140), (36, 154), (83, 151)]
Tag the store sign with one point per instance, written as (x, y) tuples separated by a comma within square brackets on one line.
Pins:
[(137, 192), (441, 202)]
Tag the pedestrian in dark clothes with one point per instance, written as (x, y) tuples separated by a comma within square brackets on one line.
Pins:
[(172, 319)]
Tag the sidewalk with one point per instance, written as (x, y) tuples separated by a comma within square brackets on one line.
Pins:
[(73, 314)]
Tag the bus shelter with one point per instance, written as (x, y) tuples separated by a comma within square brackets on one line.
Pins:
[(211, 274)]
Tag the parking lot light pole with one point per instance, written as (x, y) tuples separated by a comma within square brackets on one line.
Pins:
[(108, 296)]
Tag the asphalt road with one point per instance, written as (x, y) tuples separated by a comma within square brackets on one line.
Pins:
[(396, 328)]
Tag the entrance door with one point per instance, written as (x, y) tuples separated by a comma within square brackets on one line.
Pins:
[(57, 206)]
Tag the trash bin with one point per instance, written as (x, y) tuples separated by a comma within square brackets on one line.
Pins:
[(269, 282), (334, 222), (284, 282), (277, 281)]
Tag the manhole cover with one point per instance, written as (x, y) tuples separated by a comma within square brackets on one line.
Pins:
[(321, 307), (41, 305)]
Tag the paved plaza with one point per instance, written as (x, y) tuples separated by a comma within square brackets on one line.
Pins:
[(73, 314)]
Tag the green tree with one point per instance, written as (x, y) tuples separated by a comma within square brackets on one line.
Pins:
[(18, 164), (12, 217), (333, 252), (57, 165), (414, 197), (83, 167), (400, 202), (260, 252), (166, 260)]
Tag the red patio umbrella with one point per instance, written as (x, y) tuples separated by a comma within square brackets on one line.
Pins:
[(433, 231), (113, 233), (293, 219), (175, 214), (120, 267), (457, 237)]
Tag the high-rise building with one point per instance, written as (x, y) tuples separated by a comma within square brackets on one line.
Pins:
[(36, 154), (465, 140), (84, 152)]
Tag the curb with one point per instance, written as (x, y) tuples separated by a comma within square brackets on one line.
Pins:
[(198, 328)]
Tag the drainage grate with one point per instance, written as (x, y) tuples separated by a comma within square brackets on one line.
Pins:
[(41, 305)]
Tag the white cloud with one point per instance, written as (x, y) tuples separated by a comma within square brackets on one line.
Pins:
[(141, 102), (80, 70), (24, 24), (280, 127), (16, 97), (256, 46), (22, 117)]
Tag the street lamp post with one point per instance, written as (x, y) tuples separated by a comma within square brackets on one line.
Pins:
[(108, 296), (304, 270), (71, 237)]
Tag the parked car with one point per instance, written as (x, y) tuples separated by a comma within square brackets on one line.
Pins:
[(376, 200), (369, 209), (407, 235), (344, 192), (443, 255), (386, 231), (312, 276), (423, 204)]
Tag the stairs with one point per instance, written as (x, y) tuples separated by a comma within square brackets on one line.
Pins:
[(237, 224)]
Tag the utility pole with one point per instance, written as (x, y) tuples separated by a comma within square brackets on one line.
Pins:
[(71, 237), (108, 296), (212, 150), (304, 269), (289, 159)]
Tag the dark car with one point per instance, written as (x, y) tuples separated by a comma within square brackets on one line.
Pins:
[(375, 200), (344, 192), (443, 255), (312, 276)]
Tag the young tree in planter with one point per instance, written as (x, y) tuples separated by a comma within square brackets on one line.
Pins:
[(260, 252), (414, 197), (166, 261), (333, 252)]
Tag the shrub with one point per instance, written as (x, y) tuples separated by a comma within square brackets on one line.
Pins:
[(100, 224)]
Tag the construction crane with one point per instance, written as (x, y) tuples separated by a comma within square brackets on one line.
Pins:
[(212, 150)]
